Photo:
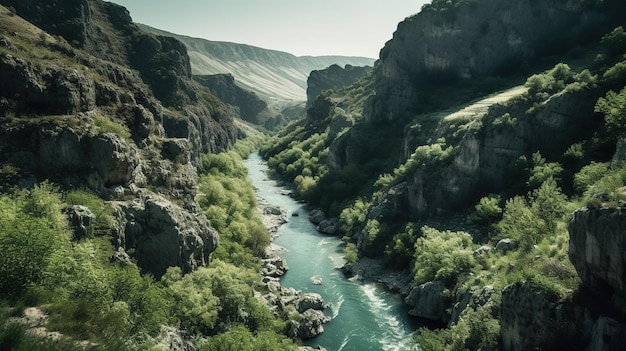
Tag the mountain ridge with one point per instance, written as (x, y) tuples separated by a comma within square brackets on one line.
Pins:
[(269, 73)]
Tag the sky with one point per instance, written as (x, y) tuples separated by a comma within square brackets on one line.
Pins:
[(300, 27)]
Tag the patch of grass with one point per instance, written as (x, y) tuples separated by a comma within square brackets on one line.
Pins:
[(107, 125)]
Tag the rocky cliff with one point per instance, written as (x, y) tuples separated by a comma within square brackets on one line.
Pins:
[(448, 41), (597, 246), (333, 77), (245, 104), (82, 117)]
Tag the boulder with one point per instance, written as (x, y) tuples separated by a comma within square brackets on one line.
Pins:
[(310, 325), (274, 267), (328, 226), (482, 251), (427, 301), (81, 220), (164, 235), (310, 301), (505, 245), (316, 216)]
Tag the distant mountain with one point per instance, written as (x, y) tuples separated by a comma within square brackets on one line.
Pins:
[(269, 73)]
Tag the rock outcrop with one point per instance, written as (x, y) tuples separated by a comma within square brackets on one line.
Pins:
[(163, 235), (532, 319), (597, 247), (244, 103), (427, 301), (448, 41), (77, 113), (333, 77)]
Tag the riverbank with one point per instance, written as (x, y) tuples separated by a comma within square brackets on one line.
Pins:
[(305, 310), (365, 315), (370, 270)]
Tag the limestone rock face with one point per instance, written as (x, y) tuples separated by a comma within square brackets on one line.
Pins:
[(531, 319), (607, 334), (333, 77), (164, 235), (53, 90), (245, 104), (427, 301), (468, 40), (597, 246), (484, 158), (80, 218), (61, 154), (85, 110)]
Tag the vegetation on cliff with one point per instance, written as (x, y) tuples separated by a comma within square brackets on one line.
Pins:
[(111, 303), (112, 189), (470, 194)]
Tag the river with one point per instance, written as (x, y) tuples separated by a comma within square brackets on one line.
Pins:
[(365, 315)]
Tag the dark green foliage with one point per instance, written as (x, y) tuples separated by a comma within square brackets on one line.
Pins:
[(476, 329), (613, 107), (240, 338), (615, 42), (541, 170), (400, 250)]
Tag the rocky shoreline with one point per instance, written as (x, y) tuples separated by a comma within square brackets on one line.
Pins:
[(305, 311), (366, 269)]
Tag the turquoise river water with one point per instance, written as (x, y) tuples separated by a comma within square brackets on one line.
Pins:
[(365, 316)]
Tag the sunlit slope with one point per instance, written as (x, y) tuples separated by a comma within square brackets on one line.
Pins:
[(269, 73)]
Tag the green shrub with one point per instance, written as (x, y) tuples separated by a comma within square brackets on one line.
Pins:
[(613, 107), (442, 256), (589, 175), (542, 171), (487, 210), (520, 223), (33, 229), (615, 42), (351, 253)]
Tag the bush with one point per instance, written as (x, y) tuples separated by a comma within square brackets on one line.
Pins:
[(613, 107), (520, 223), (351, 253), (589, 175), (487, 210), (615, 42), (32, 230), (442, 256)]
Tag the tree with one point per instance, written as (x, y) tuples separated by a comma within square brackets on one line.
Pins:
[(613, 107), (520, 223), (549, 203)]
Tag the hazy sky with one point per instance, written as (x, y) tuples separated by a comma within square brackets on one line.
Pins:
[(300, 27)]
